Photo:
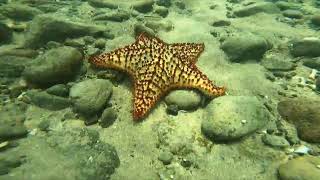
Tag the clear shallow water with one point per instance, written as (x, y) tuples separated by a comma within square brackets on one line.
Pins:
[(64, 118)]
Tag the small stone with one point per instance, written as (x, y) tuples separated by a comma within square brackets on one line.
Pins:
[(186, 163), (143, 6), (88, 39), (220, 23), (165, 157), (309, 47), (275, 141), (100, 43), (313, 63), (55, 66), (303, 168), (91, 95), (277, 63), (315, 20), (184, 99), (44, 125), (222, 121), (245, 47), (58, 90), (291, 13), (162, 11), (302, 150), (103, 4), (10, 132), (108, 117), (48, 101), (268, 7), (118, 16)]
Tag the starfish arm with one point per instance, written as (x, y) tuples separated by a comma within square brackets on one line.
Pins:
[(191, 77), (188, 52)]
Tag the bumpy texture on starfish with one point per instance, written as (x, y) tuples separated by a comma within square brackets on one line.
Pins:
[(156, 68)]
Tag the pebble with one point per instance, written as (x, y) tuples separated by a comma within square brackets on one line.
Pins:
[(166, 157), (291, 13), (302, 150), (300, 168), (58, 90), (103, 4), (275, 141), (119, 16), (245, 47), (304, 114), (309, 46), (162, 11), (224, 117), (48, 101), (183, 99), (57, 65), (267, 7), (108, 117), (220, 23), (143, 6), (91, 95)]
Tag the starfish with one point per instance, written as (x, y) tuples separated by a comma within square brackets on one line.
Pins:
[(156, 68)]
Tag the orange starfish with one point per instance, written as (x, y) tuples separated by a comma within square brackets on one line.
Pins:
[(156, 68)]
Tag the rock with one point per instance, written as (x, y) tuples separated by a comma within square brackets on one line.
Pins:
[(103, 4), (244, 47), (57, 65), (100, 43), (44, 125), (19, 12), (283, 5), (185, 100), (220, 23), (140, 28), (12, 66), (229, 118), (276, 62), (162, 11), (180, 4), (118, 16), (268, 7), (317, 83), (304, 168), (172, 109), (45, 28), (275, 141), (165, 157), (291, 13), (313, 63), (315, 20), (304, 114), (58, 90), (19, 52), (48, 101), (157, 26), (309, 46), (108, 117), (12, 132), (9, 162), (91, 95), (166, 3), (6, 34), (143, 6)]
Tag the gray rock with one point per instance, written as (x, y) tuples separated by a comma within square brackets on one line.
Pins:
[(229, 118), (277, 63), (108, 117), (184, 99), (275, 141), (48, 101), (6, 34), (302, 168), (19, 12), (268, 7), (244, 47), (103, 4), (162, 11), (118, 16), (306, 47), (55, 66), (11, 132), (45, 28), (12, 66), (165, 157), (59, 90), (143, 6), (291, 13), (315, 20), (91, 95), (313, 63)]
